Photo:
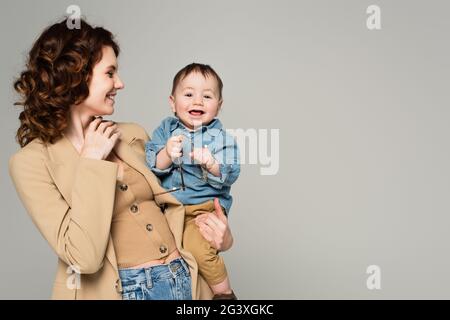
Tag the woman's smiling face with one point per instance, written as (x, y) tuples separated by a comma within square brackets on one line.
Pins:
[(103, 85), (196, 100)]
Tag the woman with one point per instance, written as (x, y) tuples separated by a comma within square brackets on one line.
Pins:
[(85, 183)]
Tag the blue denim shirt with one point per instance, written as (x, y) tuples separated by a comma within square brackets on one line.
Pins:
[(201, 185)]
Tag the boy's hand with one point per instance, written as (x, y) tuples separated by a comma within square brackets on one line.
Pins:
[(174, 147), (204, 157)]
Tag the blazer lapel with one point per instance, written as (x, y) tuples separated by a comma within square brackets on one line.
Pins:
[(62, 166)]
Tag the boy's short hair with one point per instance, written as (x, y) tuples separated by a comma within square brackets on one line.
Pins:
[(204, 69)]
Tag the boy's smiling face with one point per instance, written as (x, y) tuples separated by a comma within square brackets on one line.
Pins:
[(196, 100)]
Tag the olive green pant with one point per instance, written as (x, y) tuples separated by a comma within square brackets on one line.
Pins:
[(210, 265)]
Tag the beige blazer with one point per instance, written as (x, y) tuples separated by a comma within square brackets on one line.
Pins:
[(70, 199)]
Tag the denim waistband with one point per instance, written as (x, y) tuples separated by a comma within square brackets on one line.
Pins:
[(133, 278)]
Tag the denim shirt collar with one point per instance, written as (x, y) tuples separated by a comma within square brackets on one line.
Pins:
[(215, 124)]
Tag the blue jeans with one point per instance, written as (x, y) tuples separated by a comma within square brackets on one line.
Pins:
[(170, 281)]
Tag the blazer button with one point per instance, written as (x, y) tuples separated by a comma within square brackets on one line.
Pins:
[(163, 249), (149, 227), (134, 208), (123, 187)]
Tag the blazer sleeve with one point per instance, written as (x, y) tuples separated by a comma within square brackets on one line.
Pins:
[(79, 234)]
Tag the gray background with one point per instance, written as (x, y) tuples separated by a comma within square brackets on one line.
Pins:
[(363, 115)]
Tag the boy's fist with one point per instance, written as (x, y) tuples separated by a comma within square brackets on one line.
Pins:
[(174, 147), (203, 156)]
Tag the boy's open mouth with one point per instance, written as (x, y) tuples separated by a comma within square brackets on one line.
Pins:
[(196, 112)]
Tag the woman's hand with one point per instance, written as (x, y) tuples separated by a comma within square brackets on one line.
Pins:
[(99, 139), (214, 228)]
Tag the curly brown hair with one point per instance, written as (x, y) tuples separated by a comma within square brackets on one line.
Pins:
[(57, 75)]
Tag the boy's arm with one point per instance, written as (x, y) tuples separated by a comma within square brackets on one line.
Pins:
[(213, 167), (163, 161), (156, 160), (226, 167)]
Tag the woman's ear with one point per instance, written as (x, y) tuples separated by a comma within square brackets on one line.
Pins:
[(172, 103)]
